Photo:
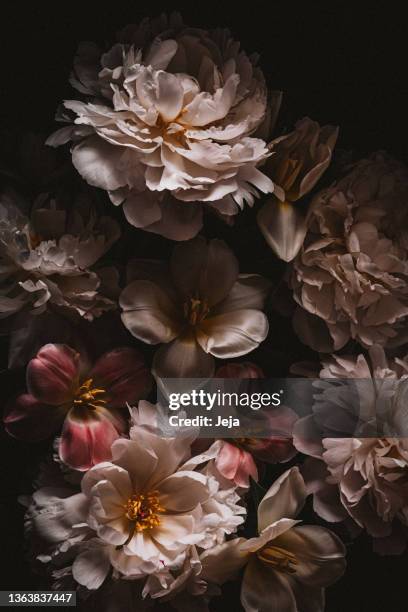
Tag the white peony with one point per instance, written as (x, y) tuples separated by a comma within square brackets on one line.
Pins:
[(46, 255), (140, 515), (168, 124)]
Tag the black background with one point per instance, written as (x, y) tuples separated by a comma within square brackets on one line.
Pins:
[(335, 62)]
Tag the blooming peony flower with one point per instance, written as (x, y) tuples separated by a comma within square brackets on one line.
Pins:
[(139, 515), (365, 478), (199, 308), (299, 160), (46, 256), (167, 124), (350, 278), (64, 390), (287, 565)]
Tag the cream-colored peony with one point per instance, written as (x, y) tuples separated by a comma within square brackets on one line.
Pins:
[(46, 255), (363, 477), (350, 278), (138, 515), (167, 124), (199, 307), (298, 161)]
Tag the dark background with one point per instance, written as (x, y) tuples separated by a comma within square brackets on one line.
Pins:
[(335, 62)]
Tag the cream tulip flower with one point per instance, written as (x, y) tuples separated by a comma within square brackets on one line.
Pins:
[(198, 308), (288, 565)]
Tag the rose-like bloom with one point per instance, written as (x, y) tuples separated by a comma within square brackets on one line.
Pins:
[(63, 389), (46, 256), (198, 307), (298, 161), (288, 565), (351, 275), (166, 125), (365, 478), (141, 514)]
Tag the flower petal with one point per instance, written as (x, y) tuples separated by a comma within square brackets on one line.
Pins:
[(124, 376), (148, 312), (86, 443), (52, 376), (284, 228), (207, 271), (99, 163), (233, 334), (91, 566), (264, 590), (249, 291), (27, 419), (183, 358), (319, 552), (183, 491), (284, 499), (236, 464), (139, 461)]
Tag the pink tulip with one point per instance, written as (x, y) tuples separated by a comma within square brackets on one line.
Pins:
[(87, 405)]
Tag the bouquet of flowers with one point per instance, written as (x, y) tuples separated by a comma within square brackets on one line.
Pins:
[(168, 229)]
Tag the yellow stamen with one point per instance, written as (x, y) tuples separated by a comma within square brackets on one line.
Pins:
[(280, 559), (143, 510), (89, 396), (195, 310)]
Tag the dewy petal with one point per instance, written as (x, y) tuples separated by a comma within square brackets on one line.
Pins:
[(264, 590), (284, 227), (124, 376), (207, 271), (148, 312), (86, 443), (27, 419), (233, 334), (284, 499), (52, 376), (183, 358)]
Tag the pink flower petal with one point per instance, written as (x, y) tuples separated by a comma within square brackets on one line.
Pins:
[(52, 376), (27, 419), (85, 443), (236, 464), (124, 376)]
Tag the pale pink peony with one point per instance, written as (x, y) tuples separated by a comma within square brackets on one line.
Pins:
[(63, 390), (46, 255), (145, 514), (167, 124), (363, 478), (350, 278), (199, 307)]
